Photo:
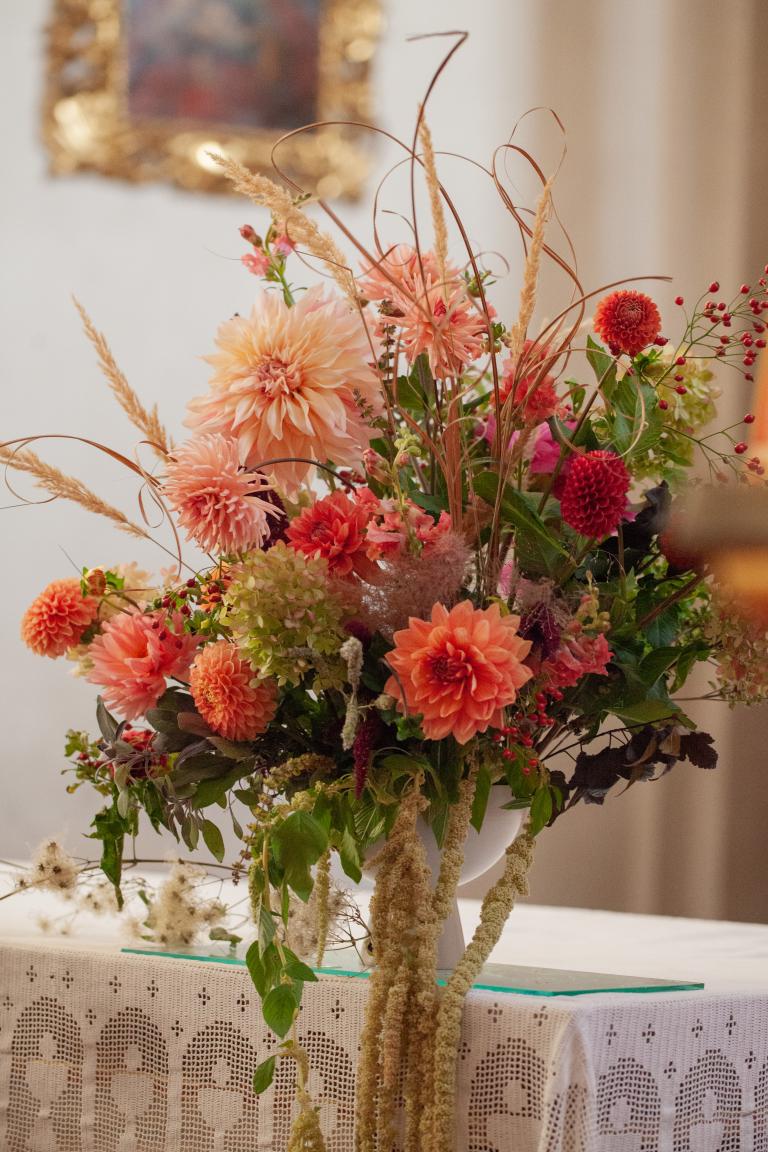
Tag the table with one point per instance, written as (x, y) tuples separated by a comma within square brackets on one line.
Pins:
[(103, 1051)]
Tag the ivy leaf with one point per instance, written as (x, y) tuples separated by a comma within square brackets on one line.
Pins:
[(214, 840), (279, 1009), (264, 1075)]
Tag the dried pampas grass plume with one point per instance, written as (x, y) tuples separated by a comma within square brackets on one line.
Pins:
[(300, 228), (148, 422), (435, 200), (59, 485), (515, 339)]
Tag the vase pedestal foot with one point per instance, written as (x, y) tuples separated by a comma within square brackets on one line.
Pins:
[(450, 946)]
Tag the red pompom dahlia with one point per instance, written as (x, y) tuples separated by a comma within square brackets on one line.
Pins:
[(627, 321), (595, 494)]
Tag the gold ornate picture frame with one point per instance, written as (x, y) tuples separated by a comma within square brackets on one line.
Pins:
[(139, 99)]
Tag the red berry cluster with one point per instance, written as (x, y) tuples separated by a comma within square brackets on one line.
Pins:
[(525, 724), (746, 311)]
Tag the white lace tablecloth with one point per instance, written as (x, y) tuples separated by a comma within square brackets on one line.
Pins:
[(101, 1051)]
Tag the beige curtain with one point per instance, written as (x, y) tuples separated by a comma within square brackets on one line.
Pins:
[(667, 171)]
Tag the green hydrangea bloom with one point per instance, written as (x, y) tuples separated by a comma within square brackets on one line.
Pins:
[(686, 414), (285, 616)]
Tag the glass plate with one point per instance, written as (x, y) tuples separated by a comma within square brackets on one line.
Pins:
[(493, 978)]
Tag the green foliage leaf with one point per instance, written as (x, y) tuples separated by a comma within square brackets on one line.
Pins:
[(264, 1075), (108, 726), (541, 810), (603, 365), (297, 970), (481, 797), (279, 1008), (214, 840), (299, 842), (647, 711), (212, 791), (539, 551)]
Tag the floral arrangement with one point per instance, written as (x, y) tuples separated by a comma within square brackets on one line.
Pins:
[(437, 569)]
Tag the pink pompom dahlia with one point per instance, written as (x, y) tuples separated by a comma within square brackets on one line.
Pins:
[(292, 384), (594, 498), (135, 654), (458, 670), (217, 502), (627, 321), (227, 694), (57, 619)]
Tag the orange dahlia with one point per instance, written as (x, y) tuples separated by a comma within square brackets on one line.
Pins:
[(334, 528), (228, 695), (459, 669), (627, 321), (57, 619), (292, 384)]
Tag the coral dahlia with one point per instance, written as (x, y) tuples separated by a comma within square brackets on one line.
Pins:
[(627, 321), (216, 501), (134, 655), (292, 384), (57, 619), (335, 528), (228, 695), (534, 392), (459, 669), (594, 498)]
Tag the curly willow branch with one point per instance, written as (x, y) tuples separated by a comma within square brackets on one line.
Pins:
[(497, 905)]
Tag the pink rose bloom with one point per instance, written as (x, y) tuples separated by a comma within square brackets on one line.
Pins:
[(135, 655)]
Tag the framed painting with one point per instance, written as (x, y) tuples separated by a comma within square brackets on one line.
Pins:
[(145, 89)]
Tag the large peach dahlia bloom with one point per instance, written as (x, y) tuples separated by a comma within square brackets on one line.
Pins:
[(459, 669), (216, 501), (227, 694), (292, 382)]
